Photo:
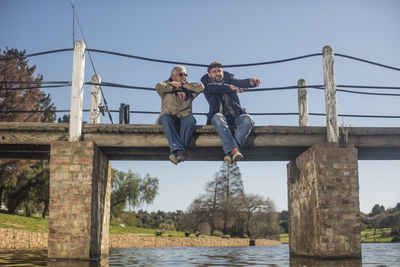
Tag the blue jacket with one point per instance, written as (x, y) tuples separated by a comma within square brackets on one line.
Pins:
[(213, 92)]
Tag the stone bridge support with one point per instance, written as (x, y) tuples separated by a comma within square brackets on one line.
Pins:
[(80, 181), (323, 197)]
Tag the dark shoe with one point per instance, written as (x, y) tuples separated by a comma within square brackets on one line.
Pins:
[(172, 157), (181, 156)]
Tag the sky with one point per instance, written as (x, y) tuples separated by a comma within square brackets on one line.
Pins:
[(233, 32)]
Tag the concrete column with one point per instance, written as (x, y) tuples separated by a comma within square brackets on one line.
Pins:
[(80, 181), (323, 197)]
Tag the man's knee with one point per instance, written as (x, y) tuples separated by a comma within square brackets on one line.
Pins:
[(165, 118), (247, 119), (218, 117), (192, 119), (189, 120)]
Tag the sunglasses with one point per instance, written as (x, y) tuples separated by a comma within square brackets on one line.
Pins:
[(181, 74)]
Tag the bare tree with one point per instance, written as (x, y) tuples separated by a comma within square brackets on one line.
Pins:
[(231, 189), (248, 208), (225, 207)]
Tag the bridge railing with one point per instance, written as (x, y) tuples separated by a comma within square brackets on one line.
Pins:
[(77, 87)]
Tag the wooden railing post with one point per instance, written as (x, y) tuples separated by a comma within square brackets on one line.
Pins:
[(332, 128), (303, 102), (95, 100), (78, 73)]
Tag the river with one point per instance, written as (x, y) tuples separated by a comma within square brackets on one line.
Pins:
[(376, 254)]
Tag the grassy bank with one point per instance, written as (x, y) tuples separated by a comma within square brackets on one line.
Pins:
[(376, 236), (33, 224), (38, 224)]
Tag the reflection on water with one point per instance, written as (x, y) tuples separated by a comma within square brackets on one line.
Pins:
[(23, 258), (78, 263), (300, 262), (373, 255), (202, 256)]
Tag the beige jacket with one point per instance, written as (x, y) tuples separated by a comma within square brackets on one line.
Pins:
[(170, 102)]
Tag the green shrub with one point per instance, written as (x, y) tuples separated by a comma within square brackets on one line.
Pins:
[(218, 233), (159, 233), (129, 218), (396, 239)]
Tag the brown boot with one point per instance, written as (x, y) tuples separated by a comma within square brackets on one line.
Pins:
[(181, 156), (172, 157)]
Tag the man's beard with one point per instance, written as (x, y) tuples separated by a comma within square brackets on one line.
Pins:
[(218, 79)]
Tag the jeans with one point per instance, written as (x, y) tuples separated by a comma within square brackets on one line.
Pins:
[(243, 124), (187, 126)]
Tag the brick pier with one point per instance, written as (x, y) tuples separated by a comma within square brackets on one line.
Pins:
[(323, 198), (79, 201)]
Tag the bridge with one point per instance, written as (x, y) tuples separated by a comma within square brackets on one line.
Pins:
[(147, 142), (322, 169)]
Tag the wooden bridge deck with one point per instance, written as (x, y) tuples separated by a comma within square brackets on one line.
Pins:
[(147, 142)]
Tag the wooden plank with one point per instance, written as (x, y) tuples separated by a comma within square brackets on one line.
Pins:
[(147, 141), (25, 151)]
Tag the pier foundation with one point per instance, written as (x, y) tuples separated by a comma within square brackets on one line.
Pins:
[(80, 181), (323, 197)]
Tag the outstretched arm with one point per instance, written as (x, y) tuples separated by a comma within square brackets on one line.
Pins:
[(217, 88), (246, 83)]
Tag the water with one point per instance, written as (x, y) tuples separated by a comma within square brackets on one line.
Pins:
[(383, 254)]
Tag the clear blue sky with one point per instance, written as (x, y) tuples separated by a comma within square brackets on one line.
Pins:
[(233, 32)]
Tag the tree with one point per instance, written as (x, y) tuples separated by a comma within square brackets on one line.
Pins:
[(376, 210), (231, 188), (247, 209), (228, 210), (201, 210), (64, 118), (283, 220), (28, 188), (19, 179), (48, 109), (129, 188), (15, 75), (397, 208), (9, 171), (209, 205)]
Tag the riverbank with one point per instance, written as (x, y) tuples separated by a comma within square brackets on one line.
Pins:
[(21, 239)]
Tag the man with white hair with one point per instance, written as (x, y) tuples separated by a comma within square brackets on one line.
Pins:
[(177, 95)]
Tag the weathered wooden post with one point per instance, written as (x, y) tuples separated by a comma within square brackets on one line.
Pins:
[(78, 73), (303, 102), (95, 100), (332, 128)]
